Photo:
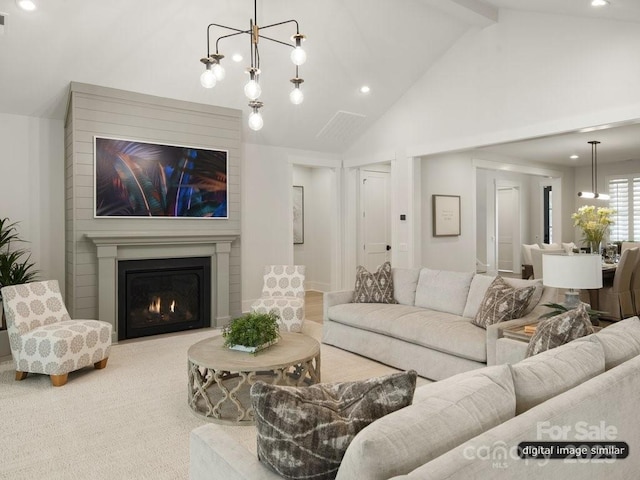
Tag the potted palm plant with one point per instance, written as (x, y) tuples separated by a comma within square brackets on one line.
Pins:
[(15, 263)]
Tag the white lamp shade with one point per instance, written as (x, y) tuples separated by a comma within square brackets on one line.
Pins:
[(572, 271)]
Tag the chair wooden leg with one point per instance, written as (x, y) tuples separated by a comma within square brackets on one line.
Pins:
[(101, 364), (21, 375), (59, 380)]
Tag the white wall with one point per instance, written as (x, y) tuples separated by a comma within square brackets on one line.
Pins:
[(32, 187), (315, 252), (449, 174), (529, 75)]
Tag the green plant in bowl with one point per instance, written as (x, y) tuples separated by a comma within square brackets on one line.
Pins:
[(254, 331)]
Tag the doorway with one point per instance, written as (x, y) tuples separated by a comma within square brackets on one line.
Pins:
[(316, 246), (507, 227), (375, 217)]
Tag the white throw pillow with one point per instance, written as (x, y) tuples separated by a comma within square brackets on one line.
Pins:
[(405, 282), (568, 247), (443, 291), (543, 376), (620, 341), (551, 246)]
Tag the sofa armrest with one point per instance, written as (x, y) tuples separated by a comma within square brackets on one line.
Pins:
[(494, 332), (214, 452), (510, 351), (329, 299)]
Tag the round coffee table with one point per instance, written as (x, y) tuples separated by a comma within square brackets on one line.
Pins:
[(220, 378)]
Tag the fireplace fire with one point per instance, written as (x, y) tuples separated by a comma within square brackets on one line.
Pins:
[(163, 295)]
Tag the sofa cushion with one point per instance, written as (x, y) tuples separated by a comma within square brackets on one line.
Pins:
[(405, 282), (449, 413), (303, 432), (481, 283), (620, 341), (376, 287), (502, 302), (451, 334), (443, 291), (543, 376), (560, 329)]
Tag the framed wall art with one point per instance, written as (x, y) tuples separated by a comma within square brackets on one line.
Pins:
[(142, 180), (298, 215), (446, 215)]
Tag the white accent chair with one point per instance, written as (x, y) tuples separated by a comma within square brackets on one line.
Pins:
[(283, 292), (44, 339)]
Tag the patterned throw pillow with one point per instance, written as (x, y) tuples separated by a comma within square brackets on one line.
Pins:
[(561, 329), (502, 302), (303, 432), (374, 287)]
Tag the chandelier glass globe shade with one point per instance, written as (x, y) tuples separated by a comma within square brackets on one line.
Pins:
[(296, 96), (218, 72), (252, 90), (298, 56), (255, 121), (208, 79)]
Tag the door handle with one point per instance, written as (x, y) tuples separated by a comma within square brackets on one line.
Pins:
[(388, 247)]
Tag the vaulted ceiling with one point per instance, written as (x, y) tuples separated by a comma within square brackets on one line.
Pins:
[(154, 48)]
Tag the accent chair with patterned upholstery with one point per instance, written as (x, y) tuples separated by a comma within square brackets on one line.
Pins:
[(283, 292), (44, 339)]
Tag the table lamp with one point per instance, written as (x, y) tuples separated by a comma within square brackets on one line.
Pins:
[(572, 272)]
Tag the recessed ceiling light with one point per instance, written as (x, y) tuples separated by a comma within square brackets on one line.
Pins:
[(26, 5), (599, 3), (365, 89), (236, 57), (573, 157)]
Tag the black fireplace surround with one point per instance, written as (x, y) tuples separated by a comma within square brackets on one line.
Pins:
[(163, 295)]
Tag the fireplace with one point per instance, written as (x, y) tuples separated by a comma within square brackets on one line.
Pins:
[(163, 295)]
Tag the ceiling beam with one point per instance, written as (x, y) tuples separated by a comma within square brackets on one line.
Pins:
[(473, 12)]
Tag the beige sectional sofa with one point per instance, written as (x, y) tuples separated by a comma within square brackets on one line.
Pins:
[(470, 425), (429, 329)]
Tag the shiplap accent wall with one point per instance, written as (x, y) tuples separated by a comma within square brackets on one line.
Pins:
[(101, 111)]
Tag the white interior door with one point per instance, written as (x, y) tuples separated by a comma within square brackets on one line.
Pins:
[(507, 202), (375, 218)]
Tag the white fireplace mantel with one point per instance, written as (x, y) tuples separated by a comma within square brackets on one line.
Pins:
[(113, 246)]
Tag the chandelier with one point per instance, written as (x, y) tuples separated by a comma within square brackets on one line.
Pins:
[(214, 71), (594, 175)]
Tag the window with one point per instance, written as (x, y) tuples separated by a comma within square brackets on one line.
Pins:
[(548, 214), (625, 200)]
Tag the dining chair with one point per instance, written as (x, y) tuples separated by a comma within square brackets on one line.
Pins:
[(536, 258), (616, 301), (627, 245), (635, 285), (283, 292), (43, 337)]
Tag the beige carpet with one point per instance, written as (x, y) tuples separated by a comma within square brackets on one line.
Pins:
[(130, 420)]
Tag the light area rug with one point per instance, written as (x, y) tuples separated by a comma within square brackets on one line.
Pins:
[(128, 421)]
